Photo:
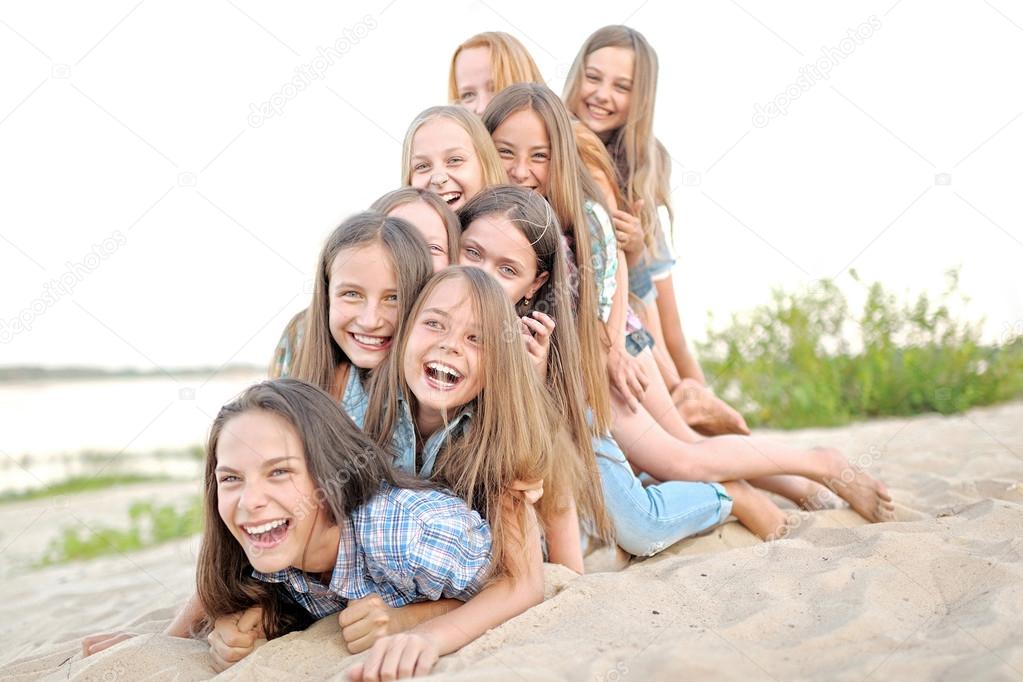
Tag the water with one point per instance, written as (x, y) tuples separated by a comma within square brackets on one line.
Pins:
[(54, 430)]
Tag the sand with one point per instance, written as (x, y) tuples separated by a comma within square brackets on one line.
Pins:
[(935, 595)]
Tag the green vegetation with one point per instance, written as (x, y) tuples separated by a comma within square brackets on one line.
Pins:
[(149, 525), (79, 484), (804, 360)]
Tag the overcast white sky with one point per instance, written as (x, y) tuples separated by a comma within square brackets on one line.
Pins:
[(132, 123)]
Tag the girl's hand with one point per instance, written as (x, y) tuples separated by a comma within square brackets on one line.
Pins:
[(536, 334), (93, 644), (629, 229), (236, 636), (366, 620), (528, 491), (397, 657), (628, 379)]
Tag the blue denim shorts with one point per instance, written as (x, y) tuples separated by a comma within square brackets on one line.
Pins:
[(641, 285), (648, 519), (637, 341)]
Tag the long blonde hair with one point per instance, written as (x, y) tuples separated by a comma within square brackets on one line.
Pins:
[(410, 195), (565, 193), (509, 436), (318, 355), (510, 62), (533, 216), (493, 169), (631, 146)]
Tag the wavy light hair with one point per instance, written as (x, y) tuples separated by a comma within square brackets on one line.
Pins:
[(510, 434), (566, 179), (318, 355), (533, 216), (410, 195), (493, 170), (346, 466), (631, 146), (510, 62)]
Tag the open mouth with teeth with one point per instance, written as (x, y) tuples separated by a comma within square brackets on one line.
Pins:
[(598, 111), (267, 535), (368, 342), (441, 377), (451, 197)]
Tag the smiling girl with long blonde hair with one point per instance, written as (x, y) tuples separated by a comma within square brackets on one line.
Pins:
[(448, 151)]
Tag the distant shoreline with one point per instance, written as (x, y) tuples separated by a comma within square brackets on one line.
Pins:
[(35, 373)]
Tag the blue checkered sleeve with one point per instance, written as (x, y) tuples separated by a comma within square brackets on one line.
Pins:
[(452, 555), (423, 545)]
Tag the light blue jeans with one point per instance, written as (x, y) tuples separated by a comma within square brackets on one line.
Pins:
[(651, 518)]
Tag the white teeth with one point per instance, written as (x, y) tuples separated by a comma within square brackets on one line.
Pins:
[(371, 340), (599, 111), (450, 196), (266, 527), (440, 368)]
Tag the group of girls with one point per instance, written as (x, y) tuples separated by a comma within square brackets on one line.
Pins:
[(491, 373)]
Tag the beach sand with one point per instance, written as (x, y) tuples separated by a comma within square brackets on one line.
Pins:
[(935, 595)]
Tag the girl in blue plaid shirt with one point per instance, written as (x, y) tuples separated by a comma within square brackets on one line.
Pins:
[(461, 404)]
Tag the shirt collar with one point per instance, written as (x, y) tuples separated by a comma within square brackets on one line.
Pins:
[(347, 578)]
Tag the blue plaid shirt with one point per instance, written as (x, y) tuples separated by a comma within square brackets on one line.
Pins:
[(406, 546)]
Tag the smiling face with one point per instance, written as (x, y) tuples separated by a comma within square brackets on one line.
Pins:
[(525, 149), (442, 356), (445, 162), (424, 218), (498, 247), (474, 79), (267, 498), (363, 294), (606, 90)]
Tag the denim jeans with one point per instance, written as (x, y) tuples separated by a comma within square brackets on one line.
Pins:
[(649, 519)]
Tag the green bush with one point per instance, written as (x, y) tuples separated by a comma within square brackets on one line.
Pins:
[(804, 360), (149, 525)]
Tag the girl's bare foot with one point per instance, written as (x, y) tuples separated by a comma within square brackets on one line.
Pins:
[(868, 496)]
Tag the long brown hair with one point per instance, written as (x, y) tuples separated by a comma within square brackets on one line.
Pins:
[(631, 146), (566, 195), (533, 216), (509, 436), (410, 195), (510, 62), (318, 355), (347, 468)]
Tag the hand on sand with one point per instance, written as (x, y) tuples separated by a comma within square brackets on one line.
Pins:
[(236, 636), (366, 620), (705, 412), (868, 496), (93, 644), (397, 657)]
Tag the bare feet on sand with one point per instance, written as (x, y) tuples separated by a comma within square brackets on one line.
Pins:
[(868, 496)]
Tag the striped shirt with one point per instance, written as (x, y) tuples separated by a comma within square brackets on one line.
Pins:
[(406, 546)]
